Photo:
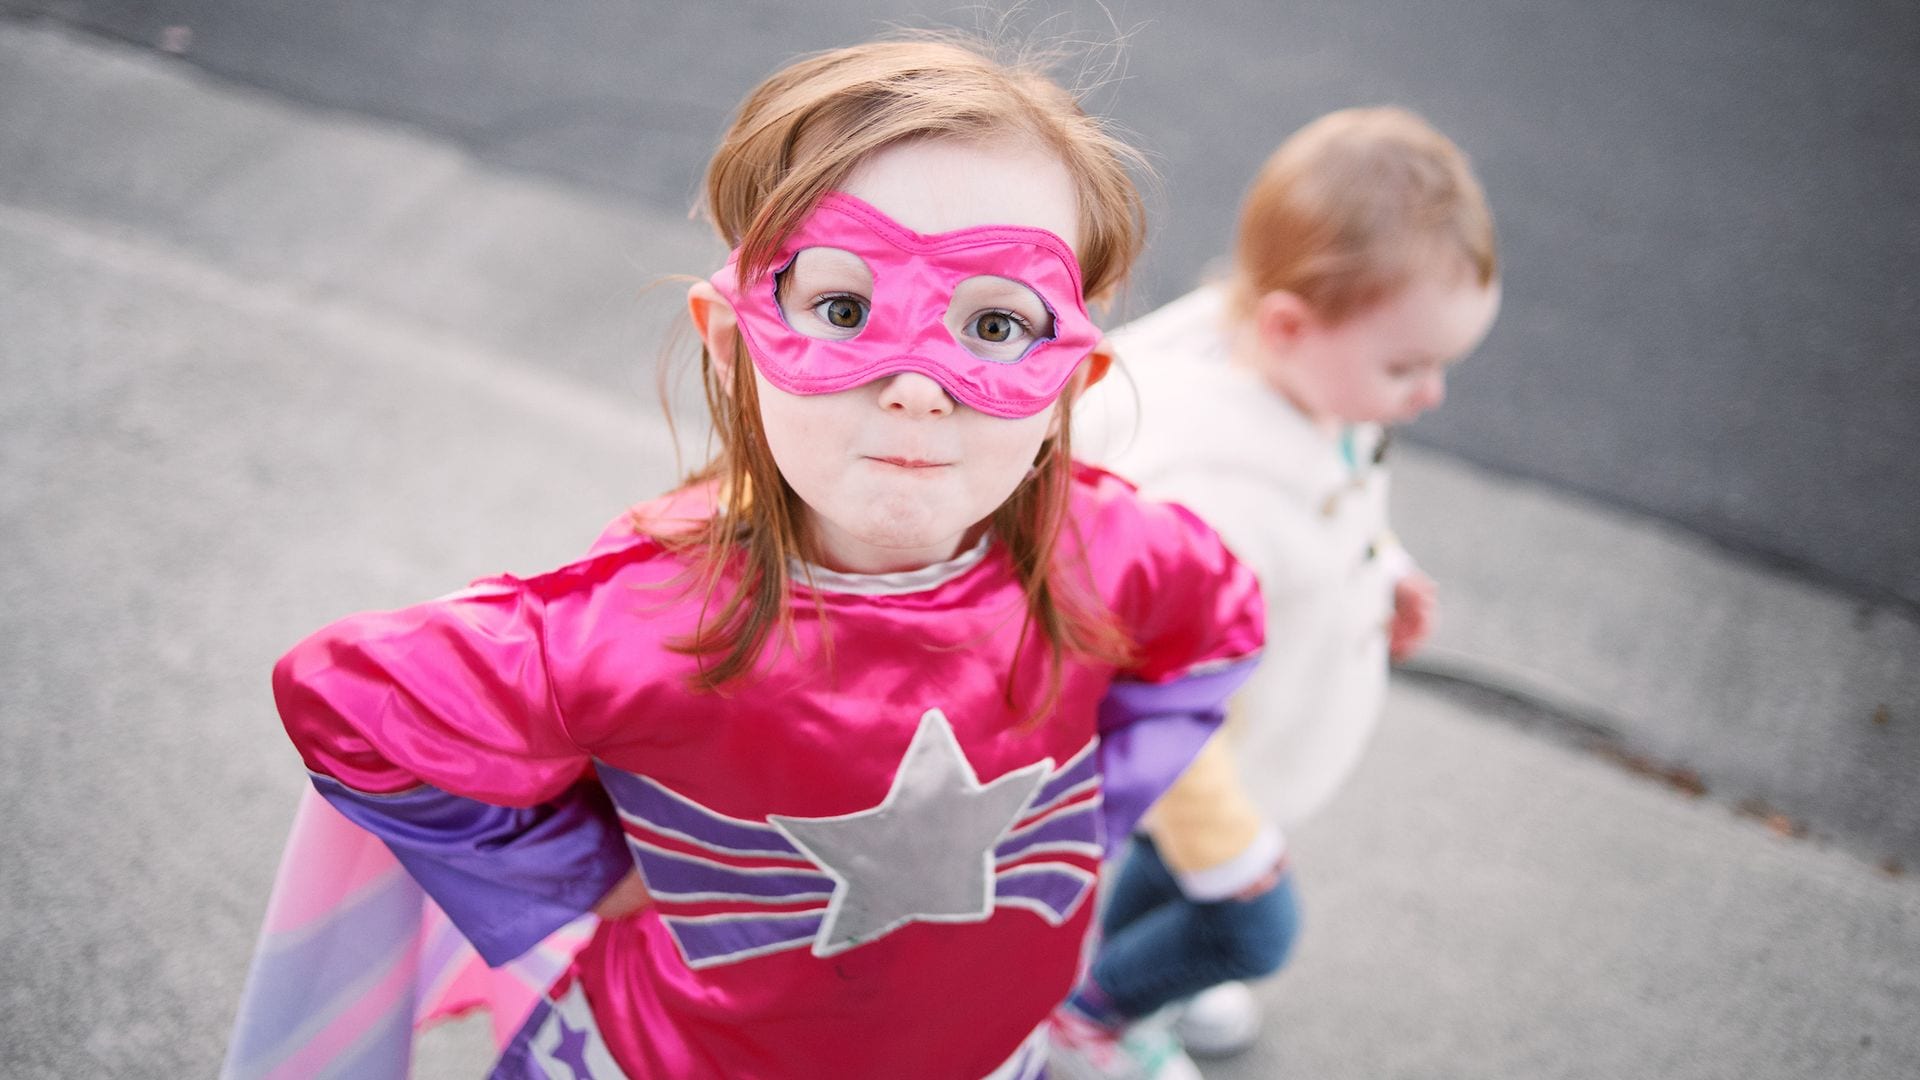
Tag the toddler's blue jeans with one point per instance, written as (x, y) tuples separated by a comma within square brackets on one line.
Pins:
[(1161, 947)]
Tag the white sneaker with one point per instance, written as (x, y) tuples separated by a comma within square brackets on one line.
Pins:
[(1220, 1021)]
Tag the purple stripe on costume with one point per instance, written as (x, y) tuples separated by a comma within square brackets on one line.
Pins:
[(436, 958), (655, 806), (1079, 772), (673, 875), (715, 939), (375, 1054), (1077, 826), (299, 979), (1057, 889)]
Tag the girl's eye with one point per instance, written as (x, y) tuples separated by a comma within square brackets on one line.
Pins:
[(842, 312), (997, 327), (997, 318)]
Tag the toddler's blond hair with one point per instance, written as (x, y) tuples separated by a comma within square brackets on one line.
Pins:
[(1353, 208)]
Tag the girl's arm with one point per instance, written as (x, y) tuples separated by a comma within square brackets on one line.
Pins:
[(1197, 621), (435, 729), (629, 896)]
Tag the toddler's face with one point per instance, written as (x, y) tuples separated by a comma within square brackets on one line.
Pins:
[(1389, 363), (895, 473)]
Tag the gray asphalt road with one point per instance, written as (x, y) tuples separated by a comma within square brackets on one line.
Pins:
[(1707, 209), (265, 365)]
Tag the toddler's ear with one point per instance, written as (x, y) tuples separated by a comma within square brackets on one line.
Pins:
[(715, 322), (1280, 318)]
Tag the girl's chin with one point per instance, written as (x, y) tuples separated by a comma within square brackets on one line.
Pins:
[(890, 547)]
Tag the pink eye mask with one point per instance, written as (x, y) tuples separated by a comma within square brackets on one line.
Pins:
[(914, 277)]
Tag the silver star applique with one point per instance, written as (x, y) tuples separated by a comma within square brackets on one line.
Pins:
[(925, 853)]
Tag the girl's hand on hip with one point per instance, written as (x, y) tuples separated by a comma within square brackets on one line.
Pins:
[(625, 898)]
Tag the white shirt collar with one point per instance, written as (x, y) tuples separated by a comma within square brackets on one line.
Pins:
[(894, 584)]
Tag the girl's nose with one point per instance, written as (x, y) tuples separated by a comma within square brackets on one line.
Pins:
[(1432, 392), (914, 394)]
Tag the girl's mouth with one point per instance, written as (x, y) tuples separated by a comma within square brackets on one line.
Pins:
[(908, 463)]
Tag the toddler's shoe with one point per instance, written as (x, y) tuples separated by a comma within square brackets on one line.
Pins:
[(1220, 1021), (1084, 1050)]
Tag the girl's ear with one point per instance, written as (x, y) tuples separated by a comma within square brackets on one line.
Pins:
[(1281, 318), (1091, 370), (718, 327), (1097, 364)]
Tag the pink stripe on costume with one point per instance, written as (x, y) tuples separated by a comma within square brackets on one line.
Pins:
[(345, 916), (392, 996), (338, 862)]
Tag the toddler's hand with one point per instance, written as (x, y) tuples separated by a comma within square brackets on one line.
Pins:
[(1415, 605), (629, 896)]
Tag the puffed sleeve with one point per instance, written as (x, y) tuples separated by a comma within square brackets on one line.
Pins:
[(435, 728), (1196, 619)]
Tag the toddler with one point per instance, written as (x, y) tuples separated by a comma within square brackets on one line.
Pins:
[(1364, 270)]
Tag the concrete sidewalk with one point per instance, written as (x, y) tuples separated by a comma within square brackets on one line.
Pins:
[(266, 365)]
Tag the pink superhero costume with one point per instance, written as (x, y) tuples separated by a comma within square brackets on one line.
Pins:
[(863, 861)]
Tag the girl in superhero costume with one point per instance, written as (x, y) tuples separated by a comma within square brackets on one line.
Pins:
[(833, 738)]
